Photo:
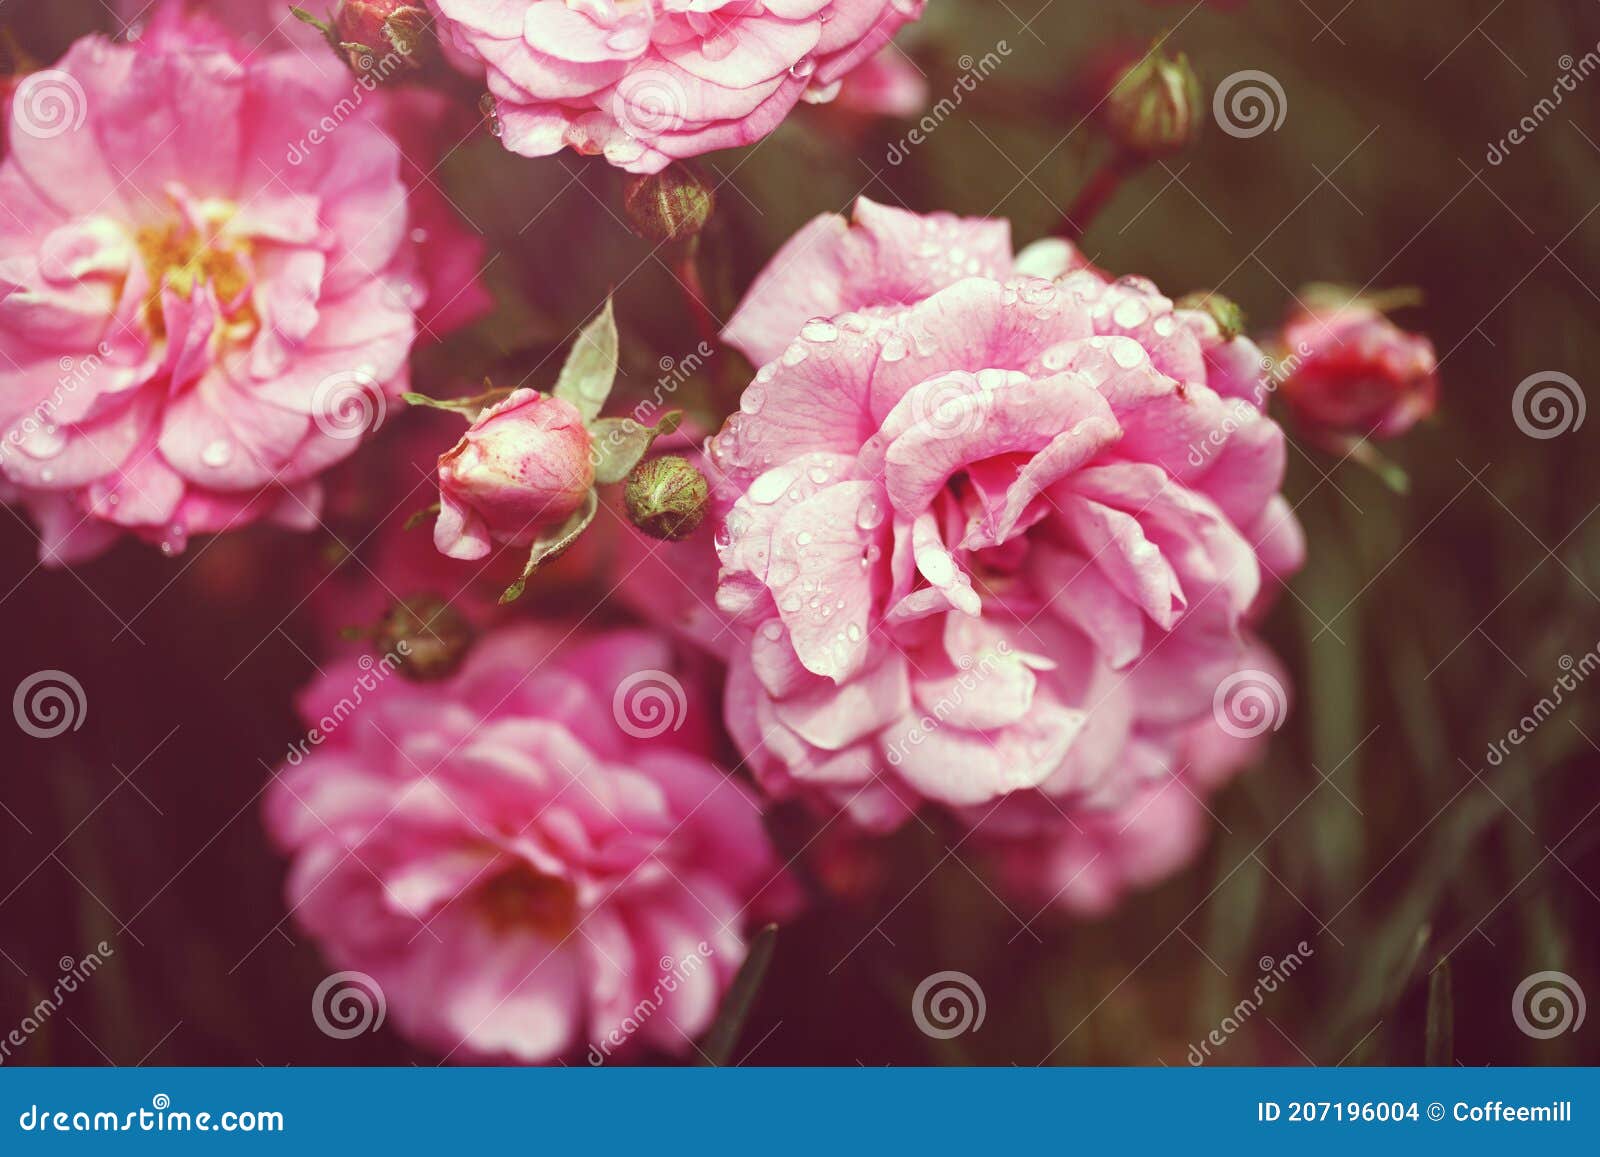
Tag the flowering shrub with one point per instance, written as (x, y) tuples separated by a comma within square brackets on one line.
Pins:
[(659, 574)]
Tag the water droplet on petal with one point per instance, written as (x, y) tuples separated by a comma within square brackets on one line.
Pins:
[(43, 442), (1130, 313), (1126, 352), (820, 330)]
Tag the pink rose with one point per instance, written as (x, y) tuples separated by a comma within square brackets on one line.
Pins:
[(522, 853), (1355, 374), (983, 532), (523, 467), (646, 84), (201, 308)]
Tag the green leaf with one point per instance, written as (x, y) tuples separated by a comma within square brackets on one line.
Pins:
[(305, 17), (469, 408), (548, 546), (1441, 1046), (421, 516), (329, 33), (619, 444), (724, 1034), (591, 367)]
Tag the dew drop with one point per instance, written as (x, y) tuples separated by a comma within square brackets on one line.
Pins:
[(820, 330), (43, 442), (1130, 312), (1127, 353)]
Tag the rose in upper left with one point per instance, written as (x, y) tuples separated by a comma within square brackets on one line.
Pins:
[(209, 286)]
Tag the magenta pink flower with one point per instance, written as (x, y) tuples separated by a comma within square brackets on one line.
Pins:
[(983, 531), (1355, 374), (648, 83), (521, 855), (207, 296), (523, 467)]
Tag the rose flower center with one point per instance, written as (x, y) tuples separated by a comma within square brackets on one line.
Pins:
[(521, 897), (182, 257)]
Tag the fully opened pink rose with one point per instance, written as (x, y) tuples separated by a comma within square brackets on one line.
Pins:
[(522, 854), (201, 308), (523, 467), (646, 82), (986, 522)]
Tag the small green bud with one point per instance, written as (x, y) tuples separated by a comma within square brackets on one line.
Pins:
[(1155, 108), (666, 497), (671, 205), (1228, 316), (430, 637)]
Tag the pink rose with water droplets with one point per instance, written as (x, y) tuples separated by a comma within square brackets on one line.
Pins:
[(201, 310), (988, 523), (648, 83), (522, 853), (522, 468)]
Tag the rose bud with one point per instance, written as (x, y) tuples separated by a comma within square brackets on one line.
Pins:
[(429, 635), (1227, 315), (524, 467), (376, 37), (666, 497), (671, 205), (1353, 373), (1155, 107)]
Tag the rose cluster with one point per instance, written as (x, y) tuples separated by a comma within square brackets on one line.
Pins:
[(988, 538)]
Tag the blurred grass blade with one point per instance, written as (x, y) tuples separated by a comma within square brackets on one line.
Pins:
[(724, 1034), (1441, 1017)]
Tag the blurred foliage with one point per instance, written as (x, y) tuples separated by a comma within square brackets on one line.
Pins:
[(1422, 629)]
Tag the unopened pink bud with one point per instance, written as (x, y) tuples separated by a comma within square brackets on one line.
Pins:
[(523, 467), (1353, 372)]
